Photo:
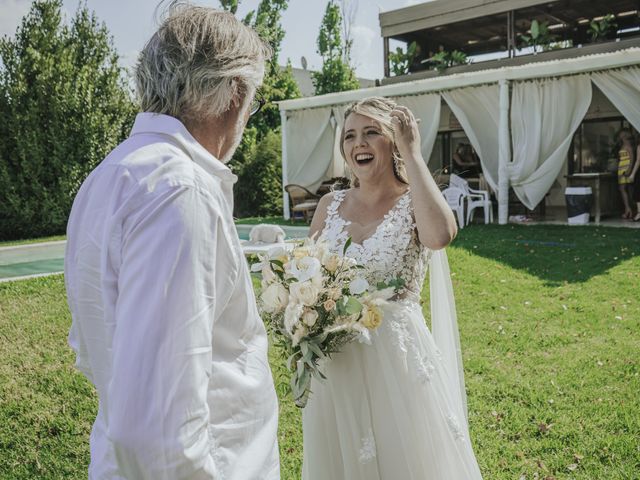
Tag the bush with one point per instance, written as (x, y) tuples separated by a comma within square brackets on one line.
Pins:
[(259, 188), (64, 105)]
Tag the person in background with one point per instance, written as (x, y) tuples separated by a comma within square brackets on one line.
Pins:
[(635, 181), (625, 165), (465, 161)]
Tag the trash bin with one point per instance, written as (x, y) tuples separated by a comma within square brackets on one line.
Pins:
[(578, 204)]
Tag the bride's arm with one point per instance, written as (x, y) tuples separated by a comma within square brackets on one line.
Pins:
[(434, 219), (320, 215)]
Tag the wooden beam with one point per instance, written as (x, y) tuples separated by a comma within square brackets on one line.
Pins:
[(511, 34), (385, 62)]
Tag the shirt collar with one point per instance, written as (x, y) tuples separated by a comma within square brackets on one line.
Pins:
[(156, 123)]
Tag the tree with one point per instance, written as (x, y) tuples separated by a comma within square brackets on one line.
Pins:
[(64, 105), (279, 83), (336, 75), (348, 9), (259, 168), (259, 188)]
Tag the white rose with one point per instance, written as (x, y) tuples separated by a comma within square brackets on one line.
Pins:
[(305, 268), (310, 317), (331, 262), (358, 285), (301, 252), (305, 293), (274, 298), (267, 274), (291, 316)]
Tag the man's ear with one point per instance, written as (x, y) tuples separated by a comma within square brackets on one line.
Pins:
[(239, 92), (235, 100)]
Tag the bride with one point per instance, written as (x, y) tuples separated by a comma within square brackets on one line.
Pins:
[(395, 408)]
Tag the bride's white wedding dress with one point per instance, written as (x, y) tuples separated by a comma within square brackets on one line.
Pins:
[(395, 409)]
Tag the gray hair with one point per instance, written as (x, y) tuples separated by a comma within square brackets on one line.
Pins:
[(198, 62), (379, 109)]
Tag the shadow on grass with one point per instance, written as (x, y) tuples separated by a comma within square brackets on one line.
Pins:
[(553, 253)]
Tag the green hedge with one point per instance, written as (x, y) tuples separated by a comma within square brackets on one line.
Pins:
[(64, 105), (258, 165)]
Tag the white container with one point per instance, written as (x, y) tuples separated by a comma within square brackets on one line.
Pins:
[(581, 219)]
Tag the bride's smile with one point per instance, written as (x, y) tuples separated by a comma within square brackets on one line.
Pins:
[(367, 149)]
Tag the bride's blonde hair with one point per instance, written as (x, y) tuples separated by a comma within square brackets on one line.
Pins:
[(379, 109)]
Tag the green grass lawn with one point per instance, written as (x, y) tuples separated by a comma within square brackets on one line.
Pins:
[(550, 329)]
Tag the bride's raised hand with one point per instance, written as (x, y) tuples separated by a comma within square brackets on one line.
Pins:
[(406, 133)]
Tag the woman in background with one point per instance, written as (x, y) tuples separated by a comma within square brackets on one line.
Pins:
[(625, 165)]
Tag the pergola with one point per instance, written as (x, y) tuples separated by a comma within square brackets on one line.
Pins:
[(311, 125), (488, 26)]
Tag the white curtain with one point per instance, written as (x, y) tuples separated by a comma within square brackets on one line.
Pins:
[(544, 116), (338, 167), (427, 109), (478, 111), (622, 88), (310, 141)]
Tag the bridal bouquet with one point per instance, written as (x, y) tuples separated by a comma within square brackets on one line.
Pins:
[(314, 302)]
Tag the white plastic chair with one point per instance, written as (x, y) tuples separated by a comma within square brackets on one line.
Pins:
[(474, 198), (455, 199)]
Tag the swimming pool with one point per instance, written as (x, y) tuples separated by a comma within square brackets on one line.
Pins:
[(38, 259)]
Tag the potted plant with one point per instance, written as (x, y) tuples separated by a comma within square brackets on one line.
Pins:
[(603, 29), (443, 59), (539, 36), (401, 60)]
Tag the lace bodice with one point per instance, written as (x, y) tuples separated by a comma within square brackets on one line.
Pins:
[(392, 251)]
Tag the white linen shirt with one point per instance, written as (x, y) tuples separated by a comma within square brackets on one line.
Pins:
[(164, 321)]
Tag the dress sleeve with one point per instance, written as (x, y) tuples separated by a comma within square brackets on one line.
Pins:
[(173, 251)]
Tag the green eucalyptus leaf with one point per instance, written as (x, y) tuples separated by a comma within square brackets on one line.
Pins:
[(353, 306), (347, 244), (316, 349)]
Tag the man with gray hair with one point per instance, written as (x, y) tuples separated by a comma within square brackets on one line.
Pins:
[(164, 321)]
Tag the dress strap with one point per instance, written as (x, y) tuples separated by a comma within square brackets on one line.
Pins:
[(333, 230), (332, 209)]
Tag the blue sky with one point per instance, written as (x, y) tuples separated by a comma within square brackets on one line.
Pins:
[(131, 22)]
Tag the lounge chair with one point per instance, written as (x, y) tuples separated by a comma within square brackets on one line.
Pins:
[(302, 201)]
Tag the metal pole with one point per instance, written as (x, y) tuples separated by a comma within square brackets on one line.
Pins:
[(504, 155), (285, 181)]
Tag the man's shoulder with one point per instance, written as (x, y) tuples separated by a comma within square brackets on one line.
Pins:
[(150, 165), (141, 172), (156, 161)]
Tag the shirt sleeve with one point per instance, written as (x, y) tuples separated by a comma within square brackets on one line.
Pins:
[(174, 251)]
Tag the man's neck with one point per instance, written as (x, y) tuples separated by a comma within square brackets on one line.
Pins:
[(212, 134)]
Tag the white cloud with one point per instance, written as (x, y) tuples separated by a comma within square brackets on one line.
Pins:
[(12, 13), (366, 53)]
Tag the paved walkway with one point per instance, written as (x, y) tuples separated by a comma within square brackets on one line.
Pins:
[(47, 258), (32, 260)]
